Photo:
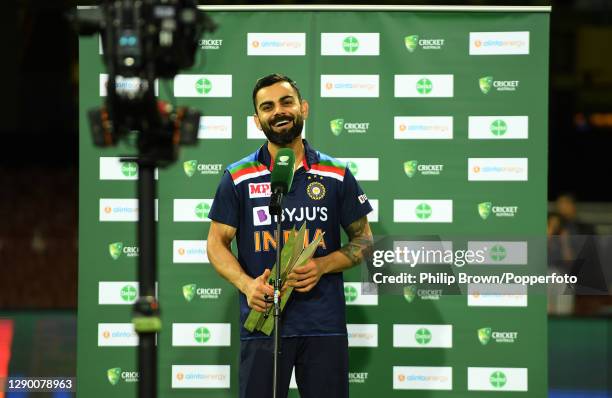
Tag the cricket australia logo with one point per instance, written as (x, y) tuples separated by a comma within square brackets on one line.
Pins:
[(315, 190)]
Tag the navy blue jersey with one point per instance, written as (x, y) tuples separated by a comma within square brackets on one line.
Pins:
[(325, 195)]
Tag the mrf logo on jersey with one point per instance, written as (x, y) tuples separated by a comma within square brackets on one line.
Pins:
[(260, 190)]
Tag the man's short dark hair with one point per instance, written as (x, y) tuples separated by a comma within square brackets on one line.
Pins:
[(269, 80)]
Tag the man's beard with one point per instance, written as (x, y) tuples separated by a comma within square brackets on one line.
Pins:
[(285, 137)]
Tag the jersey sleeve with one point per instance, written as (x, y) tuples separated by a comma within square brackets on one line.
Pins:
[(354, 203), (226, 204)]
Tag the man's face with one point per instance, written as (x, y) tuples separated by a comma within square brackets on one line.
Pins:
[(280, 115)]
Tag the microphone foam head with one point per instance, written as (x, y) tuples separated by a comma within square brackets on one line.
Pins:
[(282, 173)]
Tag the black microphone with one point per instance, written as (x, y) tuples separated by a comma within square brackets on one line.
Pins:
[(281, 178)]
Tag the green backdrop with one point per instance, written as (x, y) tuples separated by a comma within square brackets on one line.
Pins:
[(440, 114)]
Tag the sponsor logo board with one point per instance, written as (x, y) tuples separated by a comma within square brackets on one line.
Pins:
[(423, 336), (497, 169), (201, 376), (497, 379), (423, 86), (192, 210), (215, 128), (498, 127), (499, 43), (201, 334), (283, 44), (423, 211), (347, 86), (422, 378), (423, 127), (219, 86), (492, 295), (500, 252), (189, 251), (117, 335), (359, 293), (350, 44), (117, 293), (362, 335), (116, 210), (125, 86), (363, 169)]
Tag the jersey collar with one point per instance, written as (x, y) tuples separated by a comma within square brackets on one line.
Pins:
[(310, 156)]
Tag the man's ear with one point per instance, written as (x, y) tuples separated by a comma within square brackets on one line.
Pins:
[(305, 107), (257, 122)]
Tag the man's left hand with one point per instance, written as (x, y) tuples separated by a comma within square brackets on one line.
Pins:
[(304, 278)]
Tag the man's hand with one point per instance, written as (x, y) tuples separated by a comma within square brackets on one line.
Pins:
[(256, 289), (306, 277)]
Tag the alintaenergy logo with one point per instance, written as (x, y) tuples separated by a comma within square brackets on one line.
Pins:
[(498, 379), (423, 336), (128, 293), (203, 86), (202, 209), (423, 211), (424, 86), (498, 127), (201, 335), (129, 169), (350, 44), (350, 294)]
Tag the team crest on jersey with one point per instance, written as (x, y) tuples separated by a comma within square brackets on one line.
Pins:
[(315, 190)]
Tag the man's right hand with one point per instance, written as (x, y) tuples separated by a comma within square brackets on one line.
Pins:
[(256, 290)]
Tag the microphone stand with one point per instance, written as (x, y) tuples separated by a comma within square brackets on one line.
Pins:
[(276, 209), (146, 309)]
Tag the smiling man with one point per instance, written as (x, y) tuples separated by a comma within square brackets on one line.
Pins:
[(325, 195)]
